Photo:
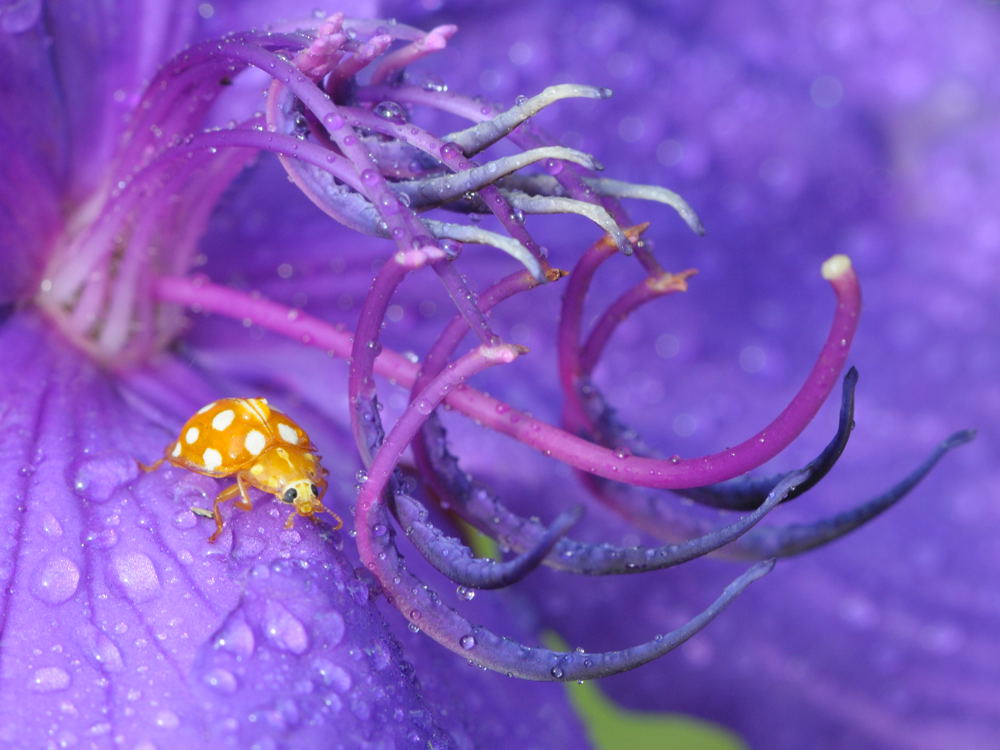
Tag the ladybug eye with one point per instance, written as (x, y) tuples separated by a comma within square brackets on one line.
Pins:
[(315, 490), (290, 495)]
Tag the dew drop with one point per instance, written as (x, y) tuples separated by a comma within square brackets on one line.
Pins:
[(237, 638), (465, 593), (391, 111), (333, 121), (185, 519), (333, 676), (284, 629), (99, 648), (557, 672), (468, 642), (167, 720), (222, 680), (56, 579), (104, 539), (99, 476), (48, 679), (137, 575), (51, 525)]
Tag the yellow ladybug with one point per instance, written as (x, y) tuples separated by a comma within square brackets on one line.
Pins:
[(263, 447)]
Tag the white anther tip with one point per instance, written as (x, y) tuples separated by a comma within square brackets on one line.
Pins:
[(835, 267)]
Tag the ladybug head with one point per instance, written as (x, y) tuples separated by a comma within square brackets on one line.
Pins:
[(304, 494)]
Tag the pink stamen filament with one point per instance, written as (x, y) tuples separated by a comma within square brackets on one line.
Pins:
[(647, 290), (561, 445)]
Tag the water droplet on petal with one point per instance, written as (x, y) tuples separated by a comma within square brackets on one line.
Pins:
[(185, 519), (167, 720), (99, 476), (56, 579), (51, 525), (137, 575), (284, 629), (47, 679), (468, 642), (557, 672), (333, 676), (222, 680), (237, 638)]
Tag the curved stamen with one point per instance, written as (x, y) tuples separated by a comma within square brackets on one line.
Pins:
[(569, 332), (436, 191), (794, 539), (650, 288), (667, 521), (653, 193), (567, 176), (484, 134), (740, 493), (478, 236), (460, 564), (541, 204), (541, 185), (426, 610), (361, 58), (434, 40), (746, 492), (447, 154), (477, 505)]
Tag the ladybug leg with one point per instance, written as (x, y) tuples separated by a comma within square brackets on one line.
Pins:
[(151, 467), (339, 521), (226, 494), (243, 502)]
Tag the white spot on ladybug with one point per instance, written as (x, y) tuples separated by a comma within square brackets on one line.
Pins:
[(192, 435), (288, 434), (206, 407), (177, 450), (255, 442), (223, 419), (211, 459)]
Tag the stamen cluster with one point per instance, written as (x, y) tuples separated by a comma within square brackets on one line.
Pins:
[(339, 117)]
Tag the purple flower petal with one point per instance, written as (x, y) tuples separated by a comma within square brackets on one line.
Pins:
[(119, 620), (905, 656)]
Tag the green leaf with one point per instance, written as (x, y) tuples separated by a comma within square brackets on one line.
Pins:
[(611, 727)]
